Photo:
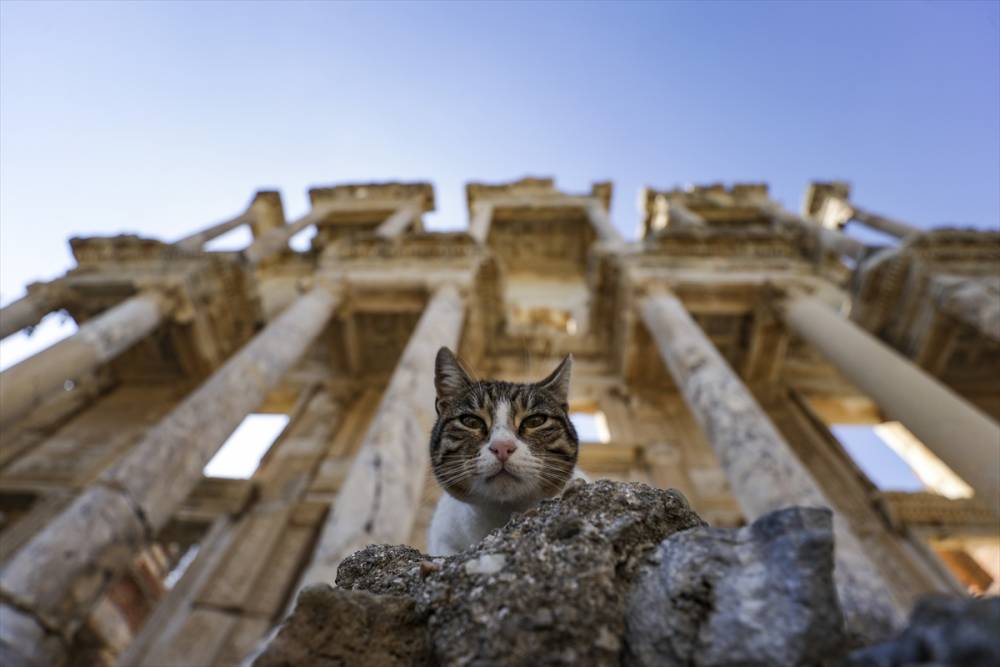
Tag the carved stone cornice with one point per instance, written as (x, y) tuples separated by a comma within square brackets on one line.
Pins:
[(763, 242), (122, 249), (739, 204), (374, 192), (535, 190), (427, 246)]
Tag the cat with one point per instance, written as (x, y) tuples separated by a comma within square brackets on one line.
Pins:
[(496, 448)]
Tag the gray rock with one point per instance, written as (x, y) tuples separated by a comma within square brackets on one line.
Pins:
[(548, 588), (760, 595), (943, 630), (608, 573), (331, 627)]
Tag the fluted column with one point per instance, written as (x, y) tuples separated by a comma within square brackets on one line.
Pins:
[(761, 467), (380, 496), (397, 223), (967, 440), (482, 218), (26, 311), (26, 385), (53, 581)]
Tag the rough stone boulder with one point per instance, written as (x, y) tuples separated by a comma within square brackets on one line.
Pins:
[(334, 628), (943, 630), (610, 573), (548, 588), (762, 595)]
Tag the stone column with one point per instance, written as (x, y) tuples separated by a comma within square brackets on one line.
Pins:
[(195, 242), (888, 225), (52, 582), (761, 467), (836, 211), (602, 224), (681, 216), (959, 434), (275, 240), (834, 241), (381, 494), (26, 311), (397, 223), (26, 385), (482, 218), (974, 300)]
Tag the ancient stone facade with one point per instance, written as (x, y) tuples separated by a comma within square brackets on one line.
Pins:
[(718, 349)]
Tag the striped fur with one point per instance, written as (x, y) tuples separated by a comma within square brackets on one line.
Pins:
[(477, 415)]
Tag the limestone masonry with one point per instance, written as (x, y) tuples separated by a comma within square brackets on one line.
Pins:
[(716, 352)]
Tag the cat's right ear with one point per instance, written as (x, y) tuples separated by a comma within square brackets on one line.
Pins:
[(450, 379)]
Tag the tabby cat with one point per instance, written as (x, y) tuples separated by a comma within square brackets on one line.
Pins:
[(496, 448)]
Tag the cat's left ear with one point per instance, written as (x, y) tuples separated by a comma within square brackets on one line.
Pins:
[(450, 379), (558, 382)]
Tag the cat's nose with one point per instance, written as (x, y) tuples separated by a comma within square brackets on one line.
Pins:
[(502, 449)]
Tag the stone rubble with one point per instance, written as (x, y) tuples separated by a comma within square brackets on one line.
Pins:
[(609, 574)]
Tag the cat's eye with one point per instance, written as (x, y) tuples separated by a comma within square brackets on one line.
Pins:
[(472, 421), (533, 421)]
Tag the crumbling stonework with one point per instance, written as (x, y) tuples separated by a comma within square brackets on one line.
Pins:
[(580, 580), (616, 574), (549, 588)]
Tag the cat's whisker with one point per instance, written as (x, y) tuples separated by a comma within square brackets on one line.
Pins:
[(451, 479)]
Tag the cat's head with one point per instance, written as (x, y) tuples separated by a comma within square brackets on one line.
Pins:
[(501, 443)]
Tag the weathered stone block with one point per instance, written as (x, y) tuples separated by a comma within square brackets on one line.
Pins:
[(762, 595)]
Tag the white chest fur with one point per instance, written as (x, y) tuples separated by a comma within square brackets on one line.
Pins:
[(457, 526)]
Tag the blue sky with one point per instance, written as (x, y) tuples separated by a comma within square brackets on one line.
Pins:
[(161, 117)]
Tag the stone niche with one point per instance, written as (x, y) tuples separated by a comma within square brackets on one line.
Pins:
[(547, 303)]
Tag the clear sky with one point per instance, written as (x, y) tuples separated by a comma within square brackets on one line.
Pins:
[(161, 117)]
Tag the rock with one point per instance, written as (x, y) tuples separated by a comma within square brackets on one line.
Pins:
[(943, 630), (548, 588), (760, 595), (331, 627), (609, 573)]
